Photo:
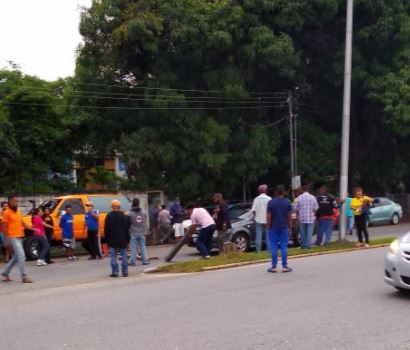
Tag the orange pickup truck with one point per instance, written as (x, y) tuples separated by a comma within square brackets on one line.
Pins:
[(102, 202)]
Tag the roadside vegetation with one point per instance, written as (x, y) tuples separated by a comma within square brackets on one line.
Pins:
[(225, 260)]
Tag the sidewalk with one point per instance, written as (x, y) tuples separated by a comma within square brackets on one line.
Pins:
[(64, 273)]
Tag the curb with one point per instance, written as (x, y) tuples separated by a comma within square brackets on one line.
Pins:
[(264, 261)]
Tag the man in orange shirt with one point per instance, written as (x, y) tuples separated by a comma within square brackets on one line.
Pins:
[(13, 226)]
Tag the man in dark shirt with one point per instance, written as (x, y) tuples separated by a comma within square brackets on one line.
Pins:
[(221, 217), (327, 204), (117, 236), (279, 221)]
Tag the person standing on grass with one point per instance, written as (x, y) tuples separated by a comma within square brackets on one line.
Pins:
[(201, 218), (7, 250), (306, 207), (92, 225), (164, 223), (221, 218), (40, 234), (117, 236), (66, 224), (138, 232), (279, 221), (327, 203), (13, 226), (49, 228), (360, 205), (349, 216), (259, 208), (177, 213)]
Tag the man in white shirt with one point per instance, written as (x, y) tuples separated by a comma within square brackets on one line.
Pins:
[(259, 210), (306, 208)]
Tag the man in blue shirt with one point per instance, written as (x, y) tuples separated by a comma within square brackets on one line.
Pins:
[(279, 221), (66, 224), (93, 226), (177, 213)]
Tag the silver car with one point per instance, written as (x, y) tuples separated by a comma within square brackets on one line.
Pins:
[(397, 264)]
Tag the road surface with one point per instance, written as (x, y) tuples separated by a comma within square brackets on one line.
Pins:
[(328, 302)]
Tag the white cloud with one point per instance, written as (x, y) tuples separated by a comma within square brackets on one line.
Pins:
[(40, 35)]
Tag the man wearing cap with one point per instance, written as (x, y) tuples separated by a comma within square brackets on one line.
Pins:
[(259, 210), (221, 217), (92, 226), (117, 236)]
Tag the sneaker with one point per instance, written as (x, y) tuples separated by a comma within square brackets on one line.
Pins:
[(366, 246), (286, 269), (114, 275), (92, 258), (273, 270), (132, 264), (41, 263), (207, 257), (50, 261), (70, 259), (26, 280), (6, 278), (100, 258), (125, 274), (145, 263)]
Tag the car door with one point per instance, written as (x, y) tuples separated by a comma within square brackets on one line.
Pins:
[(386, 211), (376, 211), (78, 211)]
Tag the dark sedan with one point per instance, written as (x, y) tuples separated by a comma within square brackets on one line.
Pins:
[(242, 233)]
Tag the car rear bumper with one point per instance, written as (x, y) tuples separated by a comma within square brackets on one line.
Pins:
[(397, 271)]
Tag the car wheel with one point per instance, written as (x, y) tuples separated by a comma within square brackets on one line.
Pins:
[(395, 219), (402, 290), (241, 241), (31, 248)]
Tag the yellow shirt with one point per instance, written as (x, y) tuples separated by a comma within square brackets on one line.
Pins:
[(357, 204), (13, 219)]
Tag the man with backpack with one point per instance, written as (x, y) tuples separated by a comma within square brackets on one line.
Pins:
[(327, 203)]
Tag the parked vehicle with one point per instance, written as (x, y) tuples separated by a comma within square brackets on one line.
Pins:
[(385, 211), (397, 264), (56, 205), (243, 229)]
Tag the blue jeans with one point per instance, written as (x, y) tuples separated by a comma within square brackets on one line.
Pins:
[(114, 261), (350, 224), (279, 237), (204, 241), (138, 242), (260, 231), (306, 232), (18, 257), (324, 227)]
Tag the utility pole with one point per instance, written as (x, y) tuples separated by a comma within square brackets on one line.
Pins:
[(291, 135), (344, 169), (293, 143)]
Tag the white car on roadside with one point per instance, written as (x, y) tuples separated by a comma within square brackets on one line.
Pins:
[(397, 264)]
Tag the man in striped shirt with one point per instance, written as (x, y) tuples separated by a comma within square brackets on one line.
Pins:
[(306, 208)]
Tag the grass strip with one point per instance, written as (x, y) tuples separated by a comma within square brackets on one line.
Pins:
[(236, 257)]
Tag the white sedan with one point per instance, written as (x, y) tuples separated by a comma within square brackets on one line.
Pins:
[(397, 264)]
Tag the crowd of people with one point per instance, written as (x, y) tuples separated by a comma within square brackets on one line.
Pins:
[(122, 230)]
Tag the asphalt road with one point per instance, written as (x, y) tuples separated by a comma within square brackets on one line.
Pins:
[(328, 302)]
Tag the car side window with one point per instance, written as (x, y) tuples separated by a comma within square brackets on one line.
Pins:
[(76, 205)]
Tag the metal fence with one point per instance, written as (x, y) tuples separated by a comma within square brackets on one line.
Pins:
[(403, 199)]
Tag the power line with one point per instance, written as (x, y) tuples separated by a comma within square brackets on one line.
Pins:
[(141, 108)]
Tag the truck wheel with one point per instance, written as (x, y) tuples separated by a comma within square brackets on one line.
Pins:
[(31, 248)]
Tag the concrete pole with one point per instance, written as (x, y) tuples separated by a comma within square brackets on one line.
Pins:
[(344, 170)]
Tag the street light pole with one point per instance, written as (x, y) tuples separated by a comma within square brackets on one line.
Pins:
[(344, 169)]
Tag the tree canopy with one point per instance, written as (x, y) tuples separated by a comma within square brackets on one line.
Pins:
[(193, 93)]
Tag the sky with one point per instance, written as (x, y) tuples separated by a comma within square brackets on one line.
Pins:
[(41, 36)]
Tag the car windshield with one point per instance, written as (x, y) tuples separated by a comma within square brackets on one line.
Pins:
[(103, 203), (50, 204)]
